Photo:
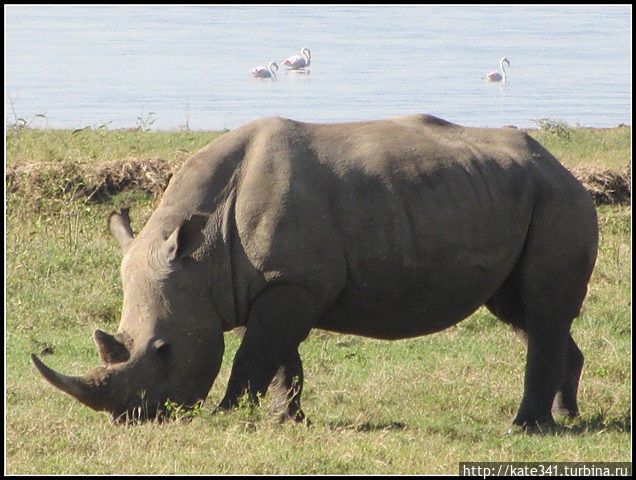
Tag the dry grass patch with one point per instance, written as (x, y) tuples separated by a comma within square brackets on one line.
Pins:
[(607, 186), (89, 182), (97, 183)]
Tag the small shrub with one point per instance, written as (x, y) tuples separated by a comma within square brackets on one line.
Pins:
[(177, 411), (557, 128)]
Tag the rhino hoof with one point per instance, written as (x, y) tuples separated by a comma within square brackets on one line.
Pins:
[(533, 428)]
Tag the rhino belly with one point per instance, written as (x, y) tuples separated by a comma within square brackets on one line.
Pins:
[(417, 305), (425, 253)]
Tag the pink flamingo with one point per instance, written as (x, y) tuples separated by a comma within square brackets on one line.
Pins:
[(296, 62), (262, 72), (495, 76)]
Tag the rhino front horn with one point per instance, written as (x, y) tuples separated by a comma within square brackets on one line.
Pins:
[(80, 388)]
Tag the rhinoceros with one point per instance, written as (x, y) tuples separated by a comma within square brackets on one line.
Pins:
[(387, 229)]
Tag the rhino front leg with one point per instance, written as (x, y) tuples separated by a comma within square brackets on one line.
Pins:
[(287, 386), (280, 318)]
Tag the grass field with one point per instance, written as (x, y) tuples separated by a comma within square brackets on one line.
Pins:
[(405, 407)]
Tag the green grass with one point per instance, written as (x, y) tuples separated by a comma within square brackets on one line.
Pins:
[(411, 406), (607, 147), (595, 147), (26, 145)]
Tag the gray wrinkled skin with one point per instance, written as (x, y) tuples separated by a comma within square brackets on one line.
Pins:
[(387, 229)]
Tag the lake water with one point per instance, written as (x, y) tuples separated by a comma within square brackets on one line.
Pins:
[(189, 66)]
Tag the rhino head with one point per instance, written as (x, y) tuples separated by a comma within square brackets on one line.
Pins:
[(169, 344)]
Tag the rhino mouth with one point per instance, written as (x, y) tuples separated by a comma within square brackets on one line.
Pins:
[(154, 412), (139, 415), (139, 409)]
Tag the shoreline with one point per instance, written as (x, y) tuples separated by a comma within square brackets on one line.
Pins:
[(14, 126)]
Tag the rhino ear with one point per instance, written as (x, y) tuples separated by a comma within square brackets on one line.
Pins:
[(186, 238), (109, 348), (119, 226)]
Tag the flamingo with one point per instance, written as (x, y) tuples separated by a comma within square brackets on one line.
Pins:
[(296, 62), (262, 72), (495, 76)]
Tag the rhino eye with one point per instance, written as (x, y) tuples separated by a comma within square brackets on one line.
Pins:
[(162, 348)]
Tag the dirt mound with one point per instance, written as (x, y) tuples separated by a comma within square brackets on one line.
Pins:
[(93, 183), (98, 183), (607, 186)]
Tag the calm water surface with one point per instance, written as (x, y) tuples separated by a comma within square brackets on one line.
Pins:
[(189, 66)]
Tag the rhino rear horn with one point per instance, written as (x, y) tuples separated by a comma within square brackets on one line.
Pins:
[(83, 389), (119, 226), (109, 348)]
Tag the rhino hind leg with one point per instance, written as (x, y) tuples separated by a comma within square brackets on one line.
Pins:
[(565, 402), (545, 373), (279, 319), (554, 362)]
